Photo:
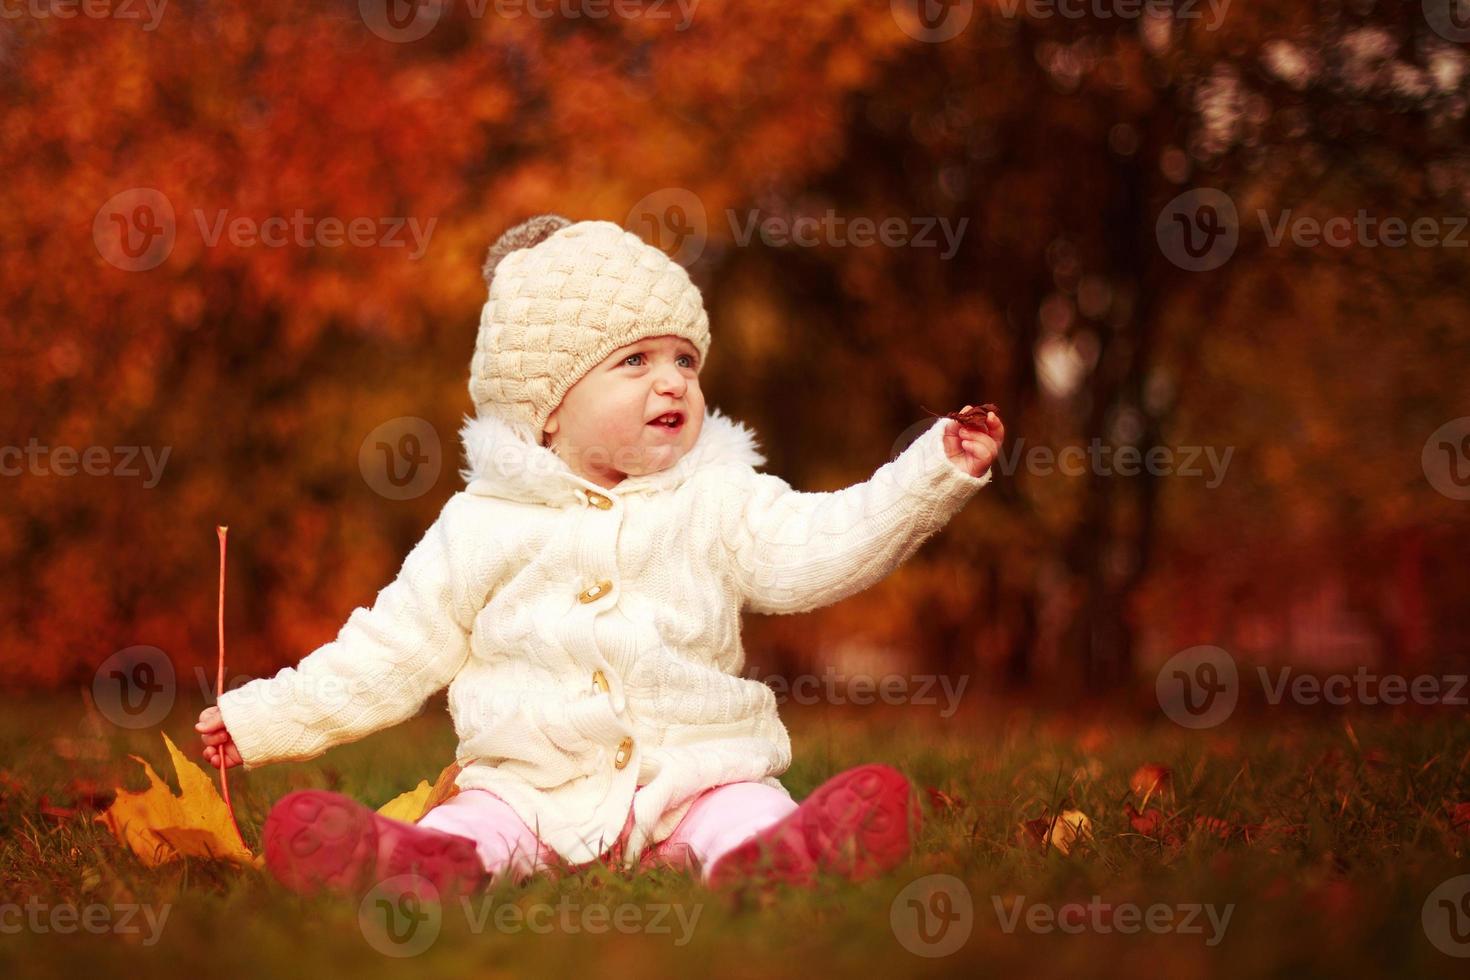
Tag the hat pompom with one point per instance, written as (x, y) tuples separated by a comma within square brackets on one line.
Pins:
[(530, 232)]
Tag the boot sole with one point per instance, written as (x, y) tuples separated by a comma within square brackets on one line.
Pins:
[(856, 825), (316, 841)]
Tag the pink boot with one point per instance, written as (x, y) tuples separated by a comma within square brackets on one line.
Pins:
[(856, 825), (316, 840)]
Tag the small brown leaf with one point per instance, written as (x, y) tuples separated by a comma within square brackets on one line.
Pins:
[(1152, 823), (1216, 826), (55, 812), (1033, 832), (974, 418), (1151, 779), (943, 802)]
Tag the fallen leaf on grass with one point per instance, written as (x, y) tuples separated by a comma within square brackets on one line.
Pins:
[(1152, 823), (1151, 779), (10, 787), (1220, 828), (943, 802), (412, 806), (53, 811), (160, 827), (1459, 817), (1064, 831), (1071, 828)]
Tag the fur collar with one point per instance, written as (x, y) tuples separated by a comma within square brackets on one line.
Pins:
[(506, 461)]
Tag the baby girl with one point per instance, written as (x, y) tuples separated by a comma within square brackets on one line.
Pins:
[(581, 600)]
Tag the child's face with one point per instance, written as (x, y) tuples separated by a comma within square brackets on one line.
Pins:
[(602, 427)]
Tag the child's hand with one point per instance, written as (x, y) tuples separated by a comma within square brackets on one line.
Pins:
[(974, 447), (217, 740)]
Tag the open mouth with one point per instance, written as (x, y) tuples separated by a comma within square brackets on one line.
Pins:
[(673, 421)]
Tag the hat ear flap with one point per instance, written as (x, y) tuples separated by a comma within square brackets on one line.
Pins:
[(530, 232)]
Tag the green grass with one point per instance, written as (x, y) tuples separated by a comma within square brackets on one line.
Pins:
[(1338, 892)]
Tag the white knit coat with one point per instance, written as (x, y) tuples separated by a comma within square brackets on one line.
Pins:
[(590, 637)]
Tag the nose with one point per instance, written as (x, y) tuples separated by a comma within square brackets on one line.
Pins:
[(671, 381)]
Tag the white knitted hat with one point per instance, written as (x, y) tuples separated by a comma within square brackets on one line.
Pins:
[(563, 296)]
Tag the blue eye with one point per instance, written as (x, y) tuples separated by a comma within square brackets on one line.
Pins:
[(687, 357)]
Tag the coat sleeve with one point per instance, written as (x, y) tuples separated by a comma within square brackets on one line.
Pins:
[(385, 662), (792, 552)]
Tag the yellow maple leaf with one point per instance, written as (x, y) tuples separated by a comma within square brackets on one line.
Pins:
[(411, 806), (408, 806), (160, 827)]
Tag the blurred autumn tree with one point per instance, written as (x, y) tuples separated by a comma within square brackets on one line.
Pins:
[(1059, 140)]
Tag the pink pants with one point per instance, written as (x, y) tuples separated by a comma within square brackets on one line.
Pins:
[(718, 820)]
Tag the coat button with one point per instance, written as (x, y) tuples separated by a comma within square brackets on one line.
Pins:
[(599, 501), (599, 681), (625, 752), (596, 592)]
